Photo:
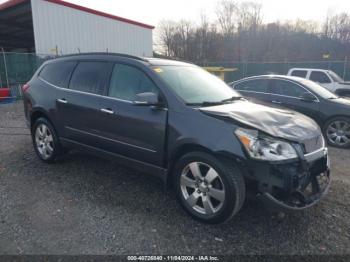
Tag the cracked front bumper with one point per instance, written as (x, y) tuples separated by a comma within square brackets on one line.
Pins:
[(293, 185)]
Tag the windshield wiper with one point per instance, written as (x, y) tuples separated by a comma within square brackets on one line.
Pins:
[(234, 98), (215, 103), (205, 103)]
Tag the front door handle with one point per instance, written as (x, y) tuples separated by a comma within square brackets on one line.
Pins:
[(276, 102), (107, 111), (62, 100)]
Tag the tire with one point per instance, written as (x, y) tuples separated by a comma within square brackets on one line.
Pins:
[(219, 195), (337, 132), (45, 141)]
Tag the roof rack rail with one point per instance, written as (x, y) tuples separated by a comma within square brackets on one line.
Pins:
[(106, 53), (158, 56)]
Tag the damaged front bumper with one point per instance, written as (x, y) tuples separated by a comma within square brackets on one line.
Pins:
[(293, 185)]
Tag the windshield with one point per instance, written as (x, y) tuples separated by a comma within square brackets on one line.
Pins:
[(318, 89), (195, 85), (335, 77)]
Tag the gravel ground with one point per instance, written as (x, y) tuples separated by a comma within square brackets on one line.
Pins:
[(87, 205)]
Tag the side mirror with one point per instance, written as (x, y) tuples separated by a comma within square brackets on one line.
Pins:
[(307, 97), (146, 99)]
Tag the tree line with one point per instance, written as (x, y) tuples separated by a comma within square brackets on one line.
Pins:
[(238, 34)]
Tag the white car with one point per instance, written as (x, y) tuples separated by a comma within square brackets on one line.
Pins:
[(326, 78)]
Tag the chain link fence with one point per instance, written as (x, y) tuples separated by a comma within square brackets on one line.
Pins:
[(245, 69), (17, 68)]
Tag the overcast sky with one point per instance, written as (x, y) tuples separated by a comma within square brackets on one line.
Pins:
[(152, 11)]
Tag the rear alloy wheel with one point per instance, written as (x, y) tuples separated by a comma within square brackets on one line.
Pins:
[(210, 190), (338, 132), (45, 141)]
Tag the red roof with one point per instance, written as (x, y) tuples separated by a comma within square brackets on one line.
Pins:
[(11, 3)]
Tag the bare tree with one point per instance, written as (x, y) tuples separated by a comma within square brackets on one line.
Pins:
[(238, 34), (166, 32), (249, 14), (227, 13), (337, 27)]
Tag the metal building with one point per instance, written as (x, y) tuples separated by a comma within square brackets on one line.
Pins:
[(57, 27)]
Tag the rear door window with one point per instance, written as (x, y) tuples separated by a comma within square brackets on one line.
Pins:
[(57, 73), (256, 85), (319, 77), (287, 88), (90, 77), (128, 81), (299, 73)]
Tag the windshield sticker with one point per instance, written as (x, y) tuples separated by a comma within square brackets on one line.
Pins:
[(158, 70)]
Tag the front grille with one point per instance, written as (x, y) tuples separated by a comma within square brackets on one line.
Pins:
[(313, 144)]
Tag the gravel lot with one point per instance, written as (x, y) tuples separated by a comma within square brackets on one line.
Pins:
[(87, 205)]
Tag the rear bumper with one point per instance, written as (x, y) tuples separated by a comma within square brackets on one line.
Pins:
[(296, 185)]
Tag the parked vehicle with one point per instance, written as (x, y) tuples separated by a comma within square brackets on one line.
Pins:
[(331, 112), (182, 124), (326, 78)]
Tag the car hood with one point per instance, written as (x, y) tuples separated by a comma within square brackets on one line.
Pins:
[(341, 101), (276, 122)]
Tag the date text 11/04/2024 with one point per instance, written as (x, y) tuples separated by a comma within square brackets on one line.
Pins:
[(173, 258)]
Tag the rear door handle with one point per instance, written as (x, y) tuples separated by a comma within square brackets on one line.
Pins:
[(276, 102), (62, 100), (107, 111)]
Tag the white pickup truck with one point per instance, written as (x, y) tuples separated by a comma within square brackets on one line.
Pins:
[(326, 78)]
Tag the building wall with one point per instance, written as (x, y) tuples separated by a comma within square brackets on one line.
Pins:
[(73, 30)]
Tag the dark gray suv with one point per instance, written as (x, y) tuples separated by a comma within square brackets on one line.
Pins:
[(177, 122)]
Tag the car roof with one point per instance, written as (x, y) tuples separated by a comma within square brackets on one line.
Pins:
[(111, 56), (283, 77), (306, 69)]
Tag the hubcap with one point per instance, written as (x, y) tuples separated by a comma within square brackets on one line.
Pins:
[(44, 141), (202, 188), (338, 132)]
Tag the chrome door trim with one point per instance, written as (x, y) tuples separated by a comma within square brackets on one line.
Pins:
[(86, 93), (109, 139), (265, 93), (107, 111)]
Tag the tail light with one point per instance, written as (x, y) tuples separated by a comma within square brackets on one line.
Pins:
[(25, 87)]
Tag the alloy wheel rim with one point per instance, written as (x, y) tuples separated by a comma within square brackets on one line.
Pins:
[(202, 188), (338, 132), (44, 141)]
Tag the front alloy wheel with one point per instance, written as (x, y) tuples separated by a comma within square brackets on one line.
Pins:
[(338, 132), (209, 189), (202, 188)]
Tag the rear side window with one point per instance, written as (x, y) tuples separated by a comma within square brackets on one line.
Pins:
[(319, 77), (299, 73), (128, 81), (57, 74), (286, 88), (90, 77), (274, 88), (253, 85)]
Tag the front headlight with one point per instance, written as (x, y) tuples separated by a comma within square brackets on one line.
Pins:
[(264, 147)]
